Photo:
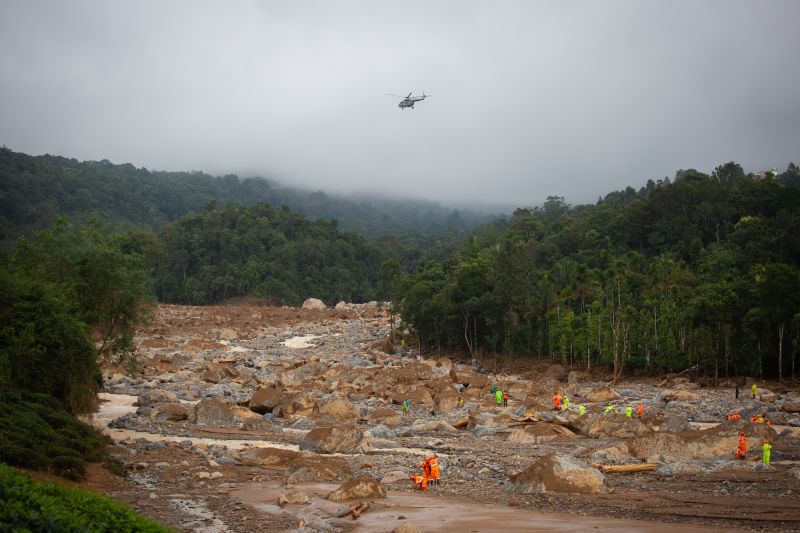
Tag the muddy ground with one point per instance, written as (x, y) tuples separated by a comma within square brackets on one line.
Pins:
[(198, 469)]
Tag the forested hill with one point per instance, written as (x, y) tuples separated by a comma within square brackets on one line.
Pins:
[(702, 270), (35, 189)]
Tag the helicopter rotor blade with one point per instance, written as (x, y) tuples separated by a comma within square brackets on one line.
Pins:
[(409, 94)]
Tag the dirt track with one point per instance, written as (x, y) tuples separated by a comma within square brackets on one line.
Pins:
[(178, 349)]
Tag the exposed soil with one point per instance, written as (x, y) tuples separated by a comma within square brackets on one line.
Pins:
[(192, 477)]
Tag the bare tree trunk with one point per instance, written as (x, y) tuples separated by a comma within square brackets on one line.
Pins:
[(780, 351), (655, 333), (466, 335)]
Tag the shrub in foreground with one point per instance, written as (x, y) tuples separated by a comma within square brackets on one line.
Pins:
[(27, 505)]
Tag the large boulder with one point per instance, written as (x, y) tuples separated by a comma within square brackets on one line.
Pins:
[(675, 423), (386, 416), (766, 395), (215, 412), (265, 399), (427, 426), (296, 403), (216, 373), (539, 433), (680, 395), (395, 476), (313, 467), (267, 457), (153, 397), (720, 441), (599, 425), (478, 381), (416, 395), (338, 409), (302, 373), (602, 395), (172, 412), (446, 403), (359, 488), (791, 406), (314, 303), (460, 376), (331, 440), (559, 473)]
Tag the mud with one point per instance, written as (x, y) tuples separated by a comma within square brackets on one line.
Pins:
[(435, 514), (193, 478)]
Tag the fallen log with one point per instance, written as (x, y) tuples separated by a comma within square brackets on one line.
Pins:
[(641, 467)]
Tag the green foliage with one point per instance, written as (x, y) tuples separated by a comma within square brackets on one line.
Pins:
[(273, 253), (37, 433), (101, 274), (27, 505), (702, 270), (43, 347)]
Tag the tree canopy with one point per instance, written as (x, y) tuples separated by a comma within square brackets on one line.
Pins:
[(701, 270)]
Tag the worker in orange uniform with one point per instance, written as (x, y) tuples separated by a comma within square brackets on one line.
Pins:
[(420, 482), (640, 410), (426, 470), (433, 461), (741, 453), (734, 416), (557, 400), (505, 399)]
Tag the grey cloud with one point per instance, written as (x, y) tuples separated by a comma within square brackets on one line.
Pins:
[(529, 98)]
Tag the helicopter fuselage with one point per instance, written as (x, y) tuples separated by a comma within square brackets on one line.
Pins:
[(406, 103)]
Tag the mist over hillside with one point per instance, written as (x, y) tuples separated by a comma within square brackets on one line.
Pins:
[(36, 189)]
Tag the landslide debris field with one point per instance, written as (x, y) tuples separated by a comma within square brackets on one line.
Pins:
[(254, 418)]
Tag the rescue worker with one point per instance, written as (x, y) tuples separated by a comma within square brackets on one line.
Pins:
[(640, 410), (426, 470), (494, 388), (420, 482), (405, 407), (628, 411), (734, 416), (741, 453), (557, 400), (609, 408), (581, 409), (434, 464), (565, 403), (755, 390), (505, 399), (498, 396), (460, 401), (767, 448)]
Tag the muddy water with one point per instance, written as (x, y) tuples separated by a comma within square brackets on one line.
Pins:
[(433, 513)]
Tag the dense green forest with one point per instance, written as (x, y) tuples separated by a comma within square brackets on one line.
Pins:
[(701, 270), (271, 253), (34, 190)]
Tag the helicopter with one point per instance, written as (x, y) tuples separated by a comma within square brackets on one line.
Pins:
[(409, 101)]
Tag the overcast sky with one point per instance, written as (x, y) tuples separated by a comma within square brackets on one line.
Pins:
[(530, 98)]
